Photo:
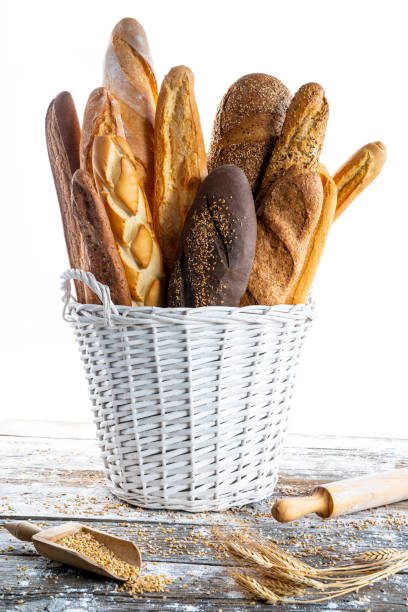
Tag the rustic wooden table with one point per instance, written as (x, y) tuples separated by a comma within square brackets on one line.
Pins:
[(59, 477)]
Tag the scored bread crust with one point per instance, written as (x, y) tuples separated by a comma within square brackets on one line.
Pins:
[(117, 177), (357, 173), (248, 122), (101, 116), (129, 76), (287, 222), (302, 135), (63, 136), (102, 255), (180, 159)]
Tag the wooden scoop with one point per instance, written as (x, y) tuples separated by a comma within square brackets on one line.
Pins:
[(346, 496), (45, 541)]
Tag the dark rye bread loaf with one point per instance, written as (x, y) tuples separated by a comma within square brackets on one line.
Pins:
[(247, 125), (217, 244)]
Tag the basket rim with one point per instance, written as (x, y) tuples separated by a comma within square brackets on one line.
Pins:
[(109, 314)]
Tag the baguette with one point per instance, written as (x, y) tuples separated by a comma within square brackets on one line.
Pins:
[(129, 76), (357, 173), (103, 257), (180, 159), (287, 224), (248, 122), (118, 181), (300, 292), (302, 135), (63, 136), (101, 116)]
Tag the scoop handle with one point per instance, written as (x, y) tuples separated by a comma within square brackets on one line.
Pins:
[(22, 530), (292, 508)]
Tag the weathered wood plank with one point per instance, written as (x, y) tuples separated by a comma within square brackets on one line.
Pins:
[(189, 543), (64, 477), (50, 479), (195, 588)]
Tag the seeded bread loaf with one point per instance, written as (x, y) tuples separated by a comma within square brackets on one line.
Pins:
[(248, 122), (117, 178), (217, 244), (180, 160)]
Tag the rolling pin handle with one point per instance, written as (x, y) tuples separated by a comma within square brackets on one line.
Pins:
[(22, 530), (292, 508)]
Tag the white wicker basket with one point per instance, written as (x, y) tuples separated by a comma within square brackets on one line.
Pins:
[(190, 404)]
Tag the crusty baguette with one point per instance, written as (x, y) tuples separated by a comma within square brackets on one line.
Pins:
[(287, 223), (101, 116), (102, 255), (248, 122), (300, 292), (118, 182), (357, 173), (129, 76), (302, 135), (63, 136), (180, 161)]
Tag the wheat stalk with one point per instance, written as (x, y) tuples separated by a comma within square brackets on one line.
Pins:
[(280, 576), (256, 588), (382, 554)]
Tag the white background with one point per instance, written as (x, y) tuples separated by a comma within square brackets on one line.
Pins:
[(353, 378)]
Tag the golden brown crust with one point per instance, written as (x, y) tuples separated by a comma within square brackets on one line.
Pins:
[(247, 124), (357, 173), (300, 292), (129, 76), (118, 182), (302, 135), (101, 116), (180, 159), (287, 221), (102, 255)]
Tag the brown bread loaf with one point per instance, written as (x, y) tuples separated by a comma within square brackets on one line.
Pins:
[(217, 244), (102, 255), (248, 122), (129, 76), (180, 160), (302, 135), (287, 222), (116, 174), (63, 135)]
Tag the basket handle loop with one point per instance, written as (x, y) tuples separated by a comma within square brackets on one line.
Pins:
[(100, 290)]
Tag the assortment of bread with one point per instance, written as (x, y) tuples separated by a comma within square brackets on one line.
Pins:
[(141, 214)]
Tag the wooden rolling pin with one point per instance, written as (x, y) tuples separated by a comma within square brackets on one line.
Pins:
[(46, 543), (346, 496)]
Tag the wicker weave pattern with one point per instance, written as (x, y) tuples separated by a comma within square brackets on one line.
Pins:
[(190, 405)]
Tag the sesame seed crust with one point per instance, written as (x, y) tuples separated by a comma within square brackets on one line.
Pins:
[(218, 243)]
